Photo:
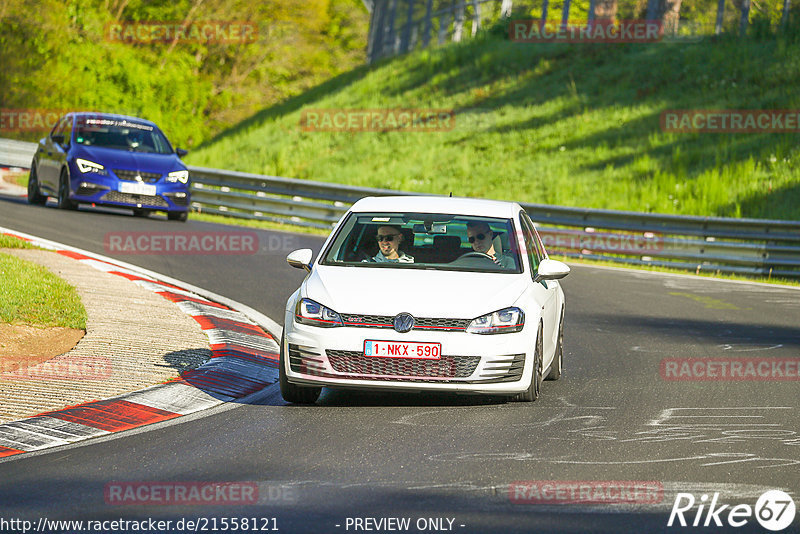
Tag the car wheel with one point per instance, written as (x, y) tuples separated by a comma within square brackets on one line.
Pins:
[(292, 392), (64, 202), (139, 212), (558, 358), (34, 195), (178, 215), (532, 393)]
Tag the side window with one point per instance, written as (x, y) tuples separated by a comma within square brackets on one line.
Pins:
[(530, 244), (539, 245), (58, 129), (67, 131)]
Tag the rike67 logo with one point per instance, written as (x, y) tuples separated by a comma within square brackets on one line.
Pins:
[(774, 510)]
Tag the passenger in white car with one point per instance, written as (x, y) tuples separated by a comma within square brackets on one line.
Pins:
[(389, 239)]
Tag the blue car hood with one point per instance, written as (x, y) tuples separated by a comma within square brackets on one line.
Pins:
[(123, 159)]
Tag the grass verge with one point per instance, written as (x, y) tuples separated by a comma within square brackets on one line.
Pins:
[(34, 296), (570, 125), (9, 241)]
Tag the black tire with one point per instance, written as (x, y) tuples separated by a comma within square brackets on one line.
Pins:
[(178, 215), (558, 359), (64, 202), (532, 393), (292, 392), (34, 194), (140, 212)]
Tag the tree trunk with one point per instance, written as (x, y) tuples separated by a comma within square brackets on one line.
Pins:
[(565, 13), (745, 17), (459, 24), (426, 32), (652, 9), (545, 5), (720, 14), (785, 14), (476, 17), (671, 15), (505, 8)]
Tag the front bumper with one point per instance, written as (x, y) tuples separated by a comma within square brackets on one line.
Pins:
[(105, 189), (470, 363)]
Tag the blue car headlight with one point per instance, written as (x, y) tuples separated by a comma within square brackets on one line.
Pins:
[(86, 166), (313, 313), (500, 322), (178, 176)]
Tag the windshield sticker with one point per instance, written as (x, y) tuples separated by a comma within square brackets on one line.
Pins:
[(124, 123)]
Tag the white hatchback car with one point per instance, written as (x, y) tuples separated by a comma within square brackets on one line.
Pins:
[(425, 294)]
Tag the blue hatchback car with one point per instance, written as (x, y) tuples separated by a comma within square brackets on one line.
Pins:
[(114, 160)]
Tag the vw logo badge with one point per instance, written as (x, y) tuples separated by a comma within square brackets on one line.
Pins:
[(403, 322)]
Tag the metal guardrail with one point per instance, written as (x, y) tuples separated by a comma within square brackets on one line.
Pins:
[(715, 244), (16, 153)]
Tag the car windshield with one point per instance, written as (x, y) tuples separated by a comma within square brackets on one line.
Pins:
[(121, 135), (425, 241)]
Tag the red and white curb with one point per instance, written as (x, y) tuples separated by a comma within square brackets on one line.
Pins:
[(244, 360)]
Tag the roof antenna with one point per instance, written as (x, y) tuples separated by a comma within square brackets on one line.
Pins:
[(451, 194)]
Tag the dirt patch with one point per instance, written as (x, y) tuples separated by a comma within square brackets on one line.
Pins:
[(22, 346)]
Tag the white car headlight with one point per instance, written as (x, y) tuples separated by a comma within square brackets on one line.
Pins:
[(178, 176), (84, 165), (500, 322), (313, 313)]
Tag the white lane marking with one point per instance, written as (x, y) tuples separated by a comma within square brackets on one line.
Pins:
[(217, 336), (155, 287), (195, 308), (743, 347), (44, 432), (176, 397)]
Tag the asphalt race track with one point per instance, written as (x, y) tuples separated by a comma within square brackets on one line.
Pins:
[(612, 417)]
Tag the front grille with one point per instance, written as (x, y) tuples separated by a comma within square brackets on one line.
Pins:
[(128, 198), (354, 362), (148, 177), (420, 323)]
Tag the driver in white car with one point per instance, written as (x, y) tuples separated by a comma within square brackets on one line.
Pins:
[(481, 238), (389, 239)]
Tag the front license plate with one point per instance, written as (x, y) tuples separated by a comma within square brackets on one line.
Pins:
[(402, 349), (137, 188)]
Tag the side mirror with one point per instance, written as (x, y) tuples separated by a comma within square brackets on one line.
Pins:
[(181, 152), (300, 259), (58, 139), (551, 270)]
